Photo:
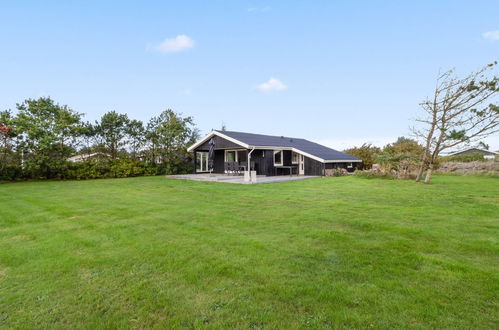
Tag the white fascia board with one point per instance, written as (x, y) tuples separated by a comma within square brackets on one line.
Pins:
[(344, 161), (211, 134), (308, 155), (201, 141)]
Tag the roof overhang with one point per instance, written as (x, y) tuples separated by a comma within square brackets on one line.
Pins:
[(247, 146), (213, 133)]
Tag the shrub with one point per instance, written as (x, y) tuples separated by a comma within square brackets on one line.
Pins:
[(10, 172), (366, 152), (335, 172), (117, 168), (374, 175)]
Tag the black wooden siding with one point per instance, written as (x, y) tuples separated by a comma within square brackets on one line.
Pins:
[(264, 161), (313, 167), (220, 143)]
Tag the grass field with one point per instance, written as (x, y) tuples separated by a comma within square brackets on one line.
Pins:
[(321, 253)]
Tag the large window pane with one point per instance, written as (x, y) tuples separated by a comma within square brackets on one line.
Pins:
[(201, 161), (230, 156)]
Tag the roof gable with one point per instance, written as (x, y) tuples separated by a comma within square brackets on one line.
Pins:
[(473, 150)]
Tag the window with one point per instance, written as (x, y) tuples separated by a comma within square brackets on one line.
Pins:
[(201, 161), (278, 157), (294, 157), (235, 156), (230, 156)]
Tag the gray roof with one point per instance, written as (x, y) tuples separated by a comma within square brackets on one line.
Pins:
[(315, 149), (473, 150)]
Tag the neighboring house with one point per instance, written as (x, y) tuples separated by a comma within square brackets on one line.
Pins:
[(267, 155), (83, 157), (486, 153)]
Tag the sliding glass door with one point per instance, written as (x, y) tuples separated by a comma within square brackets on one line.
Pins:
[(201, 161)]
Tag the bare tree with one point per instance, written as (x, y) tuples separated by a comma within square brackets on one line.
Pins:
[(461, 110)]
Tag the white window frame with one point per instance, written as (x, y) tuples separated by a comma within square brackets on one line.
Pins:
[(282, 156), (235, 154), (202, 156), (293, 160)]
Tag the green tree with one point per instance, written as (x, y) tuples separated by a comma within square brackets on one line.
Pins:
[(367, 152), (136, 136), (48, 136), (9, 164), (169, 135), (401, 156), (483, 145), (111, 132), (404, 146), (461, 110)]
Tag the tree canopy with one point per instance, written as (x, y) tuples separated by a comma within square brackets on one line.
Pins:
[(39, 137)]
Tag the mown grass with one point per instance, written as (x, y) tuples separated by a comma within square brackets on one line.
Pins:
[(322, 253)]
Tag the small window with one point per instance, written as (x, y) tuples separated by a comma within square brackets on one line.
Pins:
[(230, 156), (295, 157), (278, 157)]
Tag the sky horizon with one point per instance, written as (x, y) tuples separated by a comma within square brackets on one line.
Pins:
[(334, 72)]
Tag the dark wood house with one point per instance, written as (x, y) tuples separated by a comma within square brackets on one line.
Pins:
[(267, 155)]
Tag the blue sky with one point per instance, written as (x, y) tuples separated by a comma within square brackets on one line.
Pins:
[(344, 72)]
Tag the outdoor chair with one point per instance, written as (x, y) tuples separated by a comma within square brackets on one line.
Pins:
[(235, 168)]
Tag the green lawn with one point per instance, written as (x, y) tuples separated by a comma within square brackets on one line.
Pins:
[(340, 252)]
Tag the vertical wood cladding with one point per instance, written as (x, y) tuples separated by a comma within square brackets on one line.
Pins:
[(264, 163), (218, 164), (220, 143), (313, 167), (286, 157)]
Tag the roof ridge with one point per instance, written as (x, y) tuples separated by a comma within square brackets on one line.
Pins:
[(276, 136)]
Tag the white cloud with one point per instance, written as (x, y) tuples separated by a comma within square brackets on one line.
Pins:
[(273, 84), (491, 35), (173, 45)]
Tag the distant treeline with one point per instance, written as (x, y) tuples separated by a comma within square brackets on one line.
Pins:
[(45, 140)]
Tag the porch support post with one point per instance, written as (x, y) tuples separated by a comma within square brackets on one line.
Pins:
[(194, 162), (249, 164)]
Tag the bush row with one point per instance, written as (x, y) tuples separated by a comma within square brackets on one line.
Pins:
[(97, 169)]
